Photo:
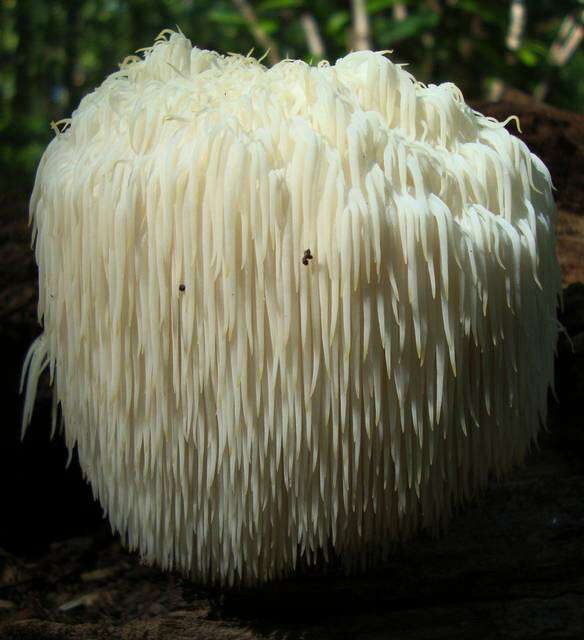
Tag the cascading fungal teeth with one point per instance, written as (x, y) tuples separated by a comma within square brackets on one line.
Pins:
[(288, 307)]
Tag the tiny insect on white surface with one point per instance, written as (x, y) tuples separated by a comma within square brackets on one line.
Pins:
[(242, 403)]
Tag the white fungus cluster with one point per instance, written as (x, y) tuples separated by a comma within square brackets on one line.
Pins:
[(237, 407)]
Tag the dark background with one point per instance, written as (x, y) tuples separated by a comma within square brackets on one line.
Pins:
[(512, 563), (52, 52)]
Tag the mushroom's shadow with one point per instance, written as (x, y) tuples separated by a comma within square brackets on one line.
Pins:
[(502, 556)]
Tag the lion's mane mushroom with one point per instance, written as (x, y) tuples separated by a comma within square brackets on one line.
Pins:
[(238, 406)]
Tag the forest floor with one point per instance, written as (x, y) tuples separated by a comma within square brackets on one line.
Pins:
[(510, 566)]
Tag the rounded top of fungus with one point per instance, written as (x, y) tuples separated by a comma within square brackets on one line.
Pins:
[(177, 91)]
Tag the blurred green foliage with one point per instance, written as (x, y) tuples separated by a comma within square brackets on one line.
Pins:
[(51, 53)]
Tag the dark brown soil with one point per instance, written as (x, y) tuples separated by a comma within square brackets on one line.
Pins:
[(510, 566)]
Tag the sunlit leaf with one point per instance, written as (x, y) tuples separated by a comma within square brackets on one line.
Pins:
[(269, 26), (374, 6), (336, 22), (274, 5), (527, 57), (224, 16)]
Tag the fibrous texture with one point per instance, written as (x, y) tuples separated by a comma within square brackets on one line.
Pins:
[(238, 407)]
